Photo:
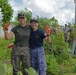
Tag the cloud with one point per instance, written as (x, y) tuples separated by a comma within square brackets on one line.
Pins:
[(63, 10)]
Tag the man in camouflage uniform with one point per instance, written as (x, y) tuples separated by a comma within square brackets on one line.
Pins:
[(65, 30), (20, 50)]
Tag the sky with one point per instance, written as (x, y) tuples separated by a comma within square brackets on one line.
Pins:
[(62, 10)]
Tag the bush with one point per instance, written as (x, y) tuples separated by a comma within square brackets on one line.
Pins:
[(4, 51), (52, 65)]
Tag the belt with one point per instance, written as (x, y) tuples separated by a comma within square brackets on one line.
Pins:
[(21, 45)]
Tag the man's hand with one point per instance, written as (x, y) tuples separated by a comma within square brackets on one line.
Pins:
[(47, 30), (6, 26)]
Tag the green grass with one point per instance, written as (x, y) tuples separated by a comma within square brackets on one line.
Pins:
[(70, 68)]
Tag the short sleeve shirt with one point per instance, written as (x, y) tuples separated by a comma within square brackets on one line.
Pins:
[(36, 38), (22, 35)]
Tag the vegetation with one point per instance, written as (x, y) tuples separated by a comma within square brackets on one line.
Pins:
[(58, 58), (6, 10)]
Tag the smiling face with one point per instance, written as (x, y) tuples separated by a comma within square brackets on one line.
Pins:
[(34, 25), (22, 21)]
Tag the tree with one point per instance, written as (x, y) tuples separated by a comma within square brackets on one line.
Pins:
[(53, 22), (28, 14), (42, 21), (7, 11)]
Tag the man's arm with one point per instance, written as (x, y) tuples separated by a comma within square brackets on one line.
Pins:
[(8, 35), (48, 39), (48, 32)]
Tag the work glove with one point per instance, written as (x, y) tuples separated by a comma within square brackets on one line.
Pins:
[(47, 29), (10, 46), (6, 26)]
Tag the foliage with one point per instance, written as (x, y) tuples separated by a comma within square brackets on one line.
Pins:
[(2, 71), (52, 65), (73, 32), (19, 73), (53, 22), (4, 51), (56, 54), (6, 10), (60, 48), (5, 69), (8, 68), (28, 14), (31, 71), (42, 22)]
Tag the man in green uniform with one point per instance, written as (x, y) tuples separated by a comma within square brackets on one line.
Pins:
[(20, 50)]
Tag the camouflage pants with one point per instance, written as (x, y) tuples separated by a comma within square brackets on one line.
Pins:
[(66, 37), (38, 61), (20, 54)]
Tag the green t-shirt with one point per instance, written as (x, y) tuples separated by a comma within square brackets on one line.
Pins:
[(22, 35)]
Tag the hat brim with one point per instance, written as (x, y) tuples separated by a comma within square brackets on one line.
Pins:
[(34, 21), (21, 17)]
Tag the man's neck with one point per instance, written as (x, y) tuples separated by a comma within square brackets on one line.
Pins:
[(35, 29), (23, 25)]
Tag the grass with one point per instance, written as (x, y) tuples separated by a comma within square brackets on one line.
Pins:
[(70, 68)]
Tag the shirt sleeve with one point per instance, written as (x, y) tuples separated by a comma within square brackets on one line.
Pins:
[(13, 29)]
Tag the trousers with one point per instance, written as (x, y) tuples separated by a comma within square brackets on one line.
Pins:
[(20, 54), (38, 61)]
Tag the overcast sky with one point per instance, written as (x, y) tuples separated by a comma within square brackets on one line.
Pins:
[(63, 10)]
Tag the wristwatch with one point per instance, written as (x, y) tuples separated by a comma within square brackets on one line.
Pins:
[(48, 35)]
